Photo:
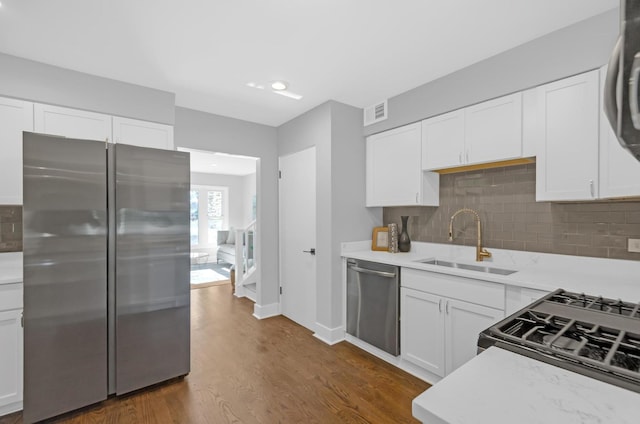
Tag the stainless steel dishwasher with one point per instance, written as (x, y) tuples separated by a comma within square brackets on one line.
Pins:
[(373, 291)]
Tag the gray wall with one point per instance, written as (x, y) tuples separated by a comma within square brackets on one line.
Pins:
[(204, 131), (237, 194), (512, 219), (249, 192), (335, 130), (568, 51), (351, 219), (310, 129), (38, 82)]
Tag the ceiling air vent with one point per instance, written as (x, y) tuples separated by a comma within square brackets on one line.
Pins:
[(375, 113)]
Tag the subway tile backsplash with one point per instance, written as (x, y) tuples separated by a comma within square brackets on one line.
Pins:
[(10, 228), (512, 219)]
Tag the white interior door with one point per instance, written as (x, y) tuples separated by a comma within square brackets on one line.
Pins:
[(297, 201)]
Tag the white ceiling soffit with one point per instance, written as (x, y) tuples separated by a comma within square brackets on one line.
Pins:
[(220, 163), (206, 51)]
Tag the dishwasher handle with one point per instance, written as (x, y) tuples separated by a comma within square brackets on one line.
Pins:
[(373, 272)]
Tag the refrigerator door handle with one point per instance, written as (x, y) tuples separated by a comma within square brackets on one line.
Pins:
[(634, 94)]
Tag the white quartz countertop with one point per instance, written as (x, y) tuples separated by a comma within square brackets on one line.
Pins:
[(10, 268), (499, 386), (611, 278)]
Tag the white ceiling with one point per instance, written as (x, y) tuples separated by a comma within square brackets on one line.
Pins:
[(354, 51), (220, 163)]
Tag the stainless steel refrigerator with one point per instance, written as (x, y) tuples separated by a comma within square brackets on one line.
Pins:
[(106, 271)]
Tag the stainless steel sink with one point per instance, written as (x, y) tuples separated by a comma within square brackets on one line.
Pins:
[(479, 268)]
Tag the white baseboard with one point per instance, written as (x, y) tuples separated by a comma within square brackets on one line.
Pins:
[(403, 364), (10, 408), (266, 311), (328, 335)]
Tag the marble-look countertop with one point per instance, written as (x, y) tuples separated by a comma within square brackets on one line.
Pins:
[(499, 386), (611, 278), (10, 268)]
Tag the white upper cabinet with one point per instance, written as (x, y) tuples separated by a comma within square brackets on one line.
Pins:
[(493, 130), (619, 171), (394, 174), (142, 133), (490, 131), (443, 141), (568, 117), (16, 116), (72, 123)]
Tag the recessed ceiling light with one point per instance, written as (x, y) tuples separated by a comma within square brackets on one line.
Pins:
[(288, 94), (214, 164), (254, 85), (279, 85)]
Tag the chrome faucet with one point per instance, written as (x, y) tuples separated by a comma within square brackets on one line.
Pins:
[(481, 252)]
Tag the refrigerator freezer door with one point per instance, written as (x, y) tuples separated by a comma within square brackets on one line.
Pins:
[(152, 266), (65, 266)]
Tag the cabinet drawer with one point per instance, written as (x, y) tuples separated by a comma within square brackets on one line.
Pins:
[(466, 289), (10, 296)]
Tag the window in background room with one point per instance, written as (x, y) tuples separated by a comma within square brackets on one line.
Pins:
[(215, 215), (194, 217), (211, 214)]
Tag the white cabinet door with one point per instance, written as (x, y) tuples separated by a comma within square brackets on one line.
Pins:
[(568, 117), (443, 141), (10, 360), (422, 330), (493, 130), (463, 323), (72, 123), (619, 171), (142, 133), (394, 174), (16, 116)]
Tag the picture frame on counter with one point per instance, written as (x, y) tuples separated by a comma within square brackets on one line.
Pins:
[(380, 239)]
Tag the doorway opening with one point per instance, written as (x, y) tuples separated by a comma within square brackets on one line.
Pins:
[(223, 217)]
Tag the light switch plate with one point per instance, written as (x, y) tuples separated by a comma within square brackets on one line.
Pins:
[(633, 245)]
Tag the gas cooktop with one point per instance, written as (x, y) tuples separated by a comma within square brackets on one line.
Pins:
[(590, 335)]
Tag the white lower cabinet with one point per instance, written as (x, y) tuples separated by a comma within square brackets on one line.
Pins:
[(420, 343), (10, 361), (442, 316), (463, 323), (519, 297)]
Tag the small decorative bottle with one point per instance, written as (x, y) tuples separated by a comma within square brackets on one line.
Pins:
[(393, 238), (404, 242)]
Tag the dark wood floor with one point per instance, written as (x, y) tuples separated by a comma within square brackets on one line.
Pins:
[(244, 370)]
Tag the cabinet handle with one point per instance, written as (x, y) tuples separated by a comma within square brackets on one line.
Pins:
[(460, 157), (591, 188), (440, 305), (416, 198), (466, 155), (447, 307)]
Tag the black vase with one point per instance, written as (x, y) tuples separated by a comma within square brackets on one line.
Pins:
[(404, 242)]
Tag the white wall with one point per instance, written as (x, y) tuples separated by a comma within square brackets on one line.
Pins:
[(38, 82), (577, 48), (204, 131), (249, 192), (336, 131), (237, 194)]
